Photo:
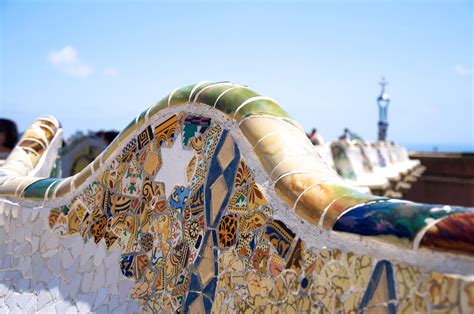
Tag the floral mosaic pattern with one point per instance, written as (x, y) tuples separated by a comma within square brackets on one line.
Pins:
[(213, 245)]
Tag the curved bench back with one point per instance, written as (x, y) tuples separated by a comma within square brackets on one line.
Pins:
[(214, 199)]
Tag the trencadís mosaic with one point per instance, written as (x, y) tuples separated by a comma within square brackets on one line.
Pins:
[(212, 244), (215, 201)]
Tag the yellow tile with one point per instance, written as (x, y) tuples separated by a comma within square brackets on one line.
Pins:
[(190, 169), (218, 193), (64, 187), (316, 197), (380, 295), (226, 154), (302, 163), (291, 279), (279, 291), (206, 267), (341, 281), (82, 176), (467, 297), (197, 306), (253, 284)]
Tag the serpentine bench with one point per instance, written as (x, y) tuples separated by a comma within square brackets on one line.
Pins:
[(215, 200)]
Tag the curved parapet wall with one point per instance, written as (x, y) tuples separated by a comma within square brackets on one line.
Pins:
[(215, 199), (35, 154), (342, 162), (80, 153)]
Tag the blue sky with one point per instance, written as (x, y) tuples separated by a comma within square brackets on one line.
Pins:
[(95, 65)]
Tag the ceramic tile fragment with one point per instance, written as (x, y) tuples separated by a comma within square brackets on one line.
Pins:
[(226, 153), (218, 193)]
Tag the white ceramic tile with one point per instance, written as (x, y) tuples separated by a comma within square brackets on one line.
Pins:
[(3, 220), (72, 309), (99, 254), (112, 275), (30, 306), (87, 282), (34, 215), (15, 209), (63, 291), (45, 275), (113, 289), (71, 272), (61, 307), (54, 263), (53, 287), (67, 259), (88, 251), (52, 242), (122, 309), (103, 309), (25, 215), (25, 266), (99, 278), (84, 302), (6, 209), (86, 267), (124, 289), (48, 309), (50, 253), (15, 310), (133, 307), (3, 290), (74, 285), (43, 298), (10, 300), (22, 284), (36, 266), (113, 302), (34, 244), (101, 297)]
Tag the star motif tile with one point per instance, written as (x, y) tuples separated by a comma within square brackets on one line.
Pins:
[(174, 162)]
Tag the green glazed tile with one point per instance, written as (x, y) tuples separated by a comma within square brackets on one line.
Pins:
[(51, 190), (181, 95), (38, 189), (233, 99), (262, 107), (199, 88), (210, 95)]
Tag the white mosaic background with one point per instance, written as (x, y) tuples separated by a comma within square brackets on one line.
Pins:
[(43, 273)]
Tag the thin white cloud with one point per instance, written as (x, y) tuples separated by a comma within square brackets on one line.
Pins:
[(110, 71), (67, 61), (462, 70)]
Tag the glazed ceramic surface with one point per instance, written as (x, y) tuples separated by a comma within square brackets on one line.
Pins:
[(214, 200)]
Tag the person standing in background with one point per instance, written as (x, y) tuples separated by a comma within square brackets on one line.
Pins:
[(8, 137), (315, 137)]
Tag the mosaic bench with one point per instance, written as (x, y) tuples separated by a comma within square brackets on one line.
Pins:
[(214, 200), (382, 168)]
